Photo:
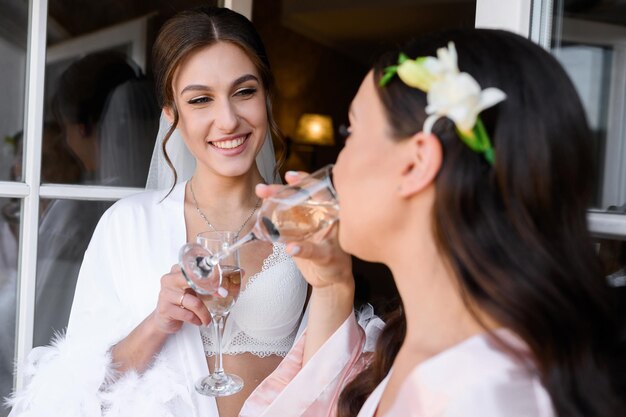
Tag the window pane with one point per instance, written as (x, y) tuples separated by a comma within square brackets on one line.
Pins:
[(613, 256), (100, 110), (13, 29), (101, 120), (589, 39), (9, 229), (65, 229)]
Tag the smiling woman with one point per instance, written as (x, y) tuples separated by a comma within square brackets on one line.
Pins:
[(143, 338)]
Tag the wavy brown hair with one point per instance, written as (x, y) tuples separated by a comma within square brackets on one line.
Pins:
[(516, 232), (197, 28)]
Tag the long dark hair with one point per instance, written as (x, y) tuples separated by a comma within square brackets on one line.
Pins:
[(516, 232), (196, 28)]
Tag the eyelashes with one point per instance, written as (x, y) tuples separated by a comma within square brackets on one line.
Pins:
[(242, 93), (245, 92), (199, 100)]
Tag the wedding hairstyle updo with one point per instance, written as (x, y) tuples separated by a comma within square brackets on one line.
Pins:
[(516, 232), (196, 28)]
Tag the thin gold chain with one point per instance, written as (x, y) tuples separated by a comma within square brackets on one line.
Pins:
[(206, 220)]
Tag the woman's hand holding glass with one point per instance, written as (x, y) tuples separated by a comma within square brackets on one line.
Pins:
[(177, 304), (328, 269), (319, 257)]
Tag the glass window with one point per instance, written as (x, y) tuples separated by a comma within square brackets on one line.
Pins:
[(9, 236), (589, 39), (65, 229), (106, 114), (13, 30), (13, 49), (613, 255)]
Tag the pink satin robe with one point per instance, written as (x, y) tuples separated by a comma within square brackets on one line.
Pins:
[(473, 378)]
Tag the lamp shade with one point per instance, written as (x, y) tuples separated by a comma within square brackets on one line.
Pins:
[(315, 129)]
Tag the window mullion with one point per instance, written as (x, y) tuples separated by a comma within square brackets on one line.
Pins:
[(511, 15), (541, 22), (607, 225), (10, 189), (86, 192), (33, 121)]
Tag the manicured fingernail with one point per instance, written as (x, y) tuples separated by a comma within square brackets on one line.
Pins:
[(260, 187), (291, 174), (293, 250), (222, 292)]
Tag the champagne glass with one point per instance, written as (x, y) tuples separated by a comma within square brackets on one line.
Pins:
[(296, 212), (223, 289)]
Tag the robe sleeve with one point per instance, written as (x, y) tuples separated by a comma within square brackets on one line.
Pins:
[(65, 377), (293, 390), (74, 376)]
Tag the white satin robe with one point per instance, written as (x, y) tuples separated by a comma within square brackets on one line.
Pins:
[(135, 243)]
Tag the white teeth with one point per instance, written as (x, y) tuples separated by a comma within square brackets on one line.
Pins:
[(229, 144)]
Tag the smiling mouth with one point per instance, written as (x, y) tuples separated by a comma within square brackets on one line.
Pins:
[(231, 143)]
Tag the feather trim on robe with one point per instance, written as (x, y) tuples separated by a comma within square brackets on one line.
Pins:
[(72, 378)]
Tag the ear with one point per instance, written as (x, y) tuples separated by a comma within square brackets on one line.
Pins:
[(169, 114), (424, 158)]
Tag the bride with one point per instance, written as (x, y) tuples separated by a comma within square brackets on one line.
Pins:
[(133, 344)]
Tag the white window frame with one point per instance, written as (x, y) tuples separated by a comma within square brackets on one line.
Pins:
[(29, 189), (604, 35), (133, 33)]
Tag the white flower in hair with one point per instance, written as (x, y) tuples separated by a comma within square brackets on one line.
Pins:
[(423, 72), (446, 61), (450, 93), (460, 99)]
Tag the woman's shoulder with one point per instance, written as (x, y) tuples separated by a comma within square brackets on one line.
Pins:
[(140, 211), (146, 202)]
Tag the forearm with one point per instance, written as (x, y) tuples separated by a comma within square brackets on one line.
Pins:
[(330, 306), (137, 350)]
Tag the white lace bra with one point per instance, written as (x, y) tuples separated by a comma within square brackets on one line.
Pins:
[(265, 319)]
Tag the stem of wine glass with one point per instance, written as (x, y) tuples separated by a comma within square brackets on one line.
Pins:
[(250, 236), (210, 261), (218, 326)]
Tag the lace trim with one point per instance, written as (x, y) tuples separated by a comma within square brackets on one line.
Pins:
[(277, 256), (243, 343)]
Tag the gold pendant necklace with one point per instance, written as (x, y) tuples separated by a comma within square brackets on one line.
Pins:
[(206, 220)]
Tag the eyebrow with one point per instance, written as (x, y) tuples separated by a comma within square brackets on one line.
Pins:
[(244, 78), (194, 87), (200, 87)]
